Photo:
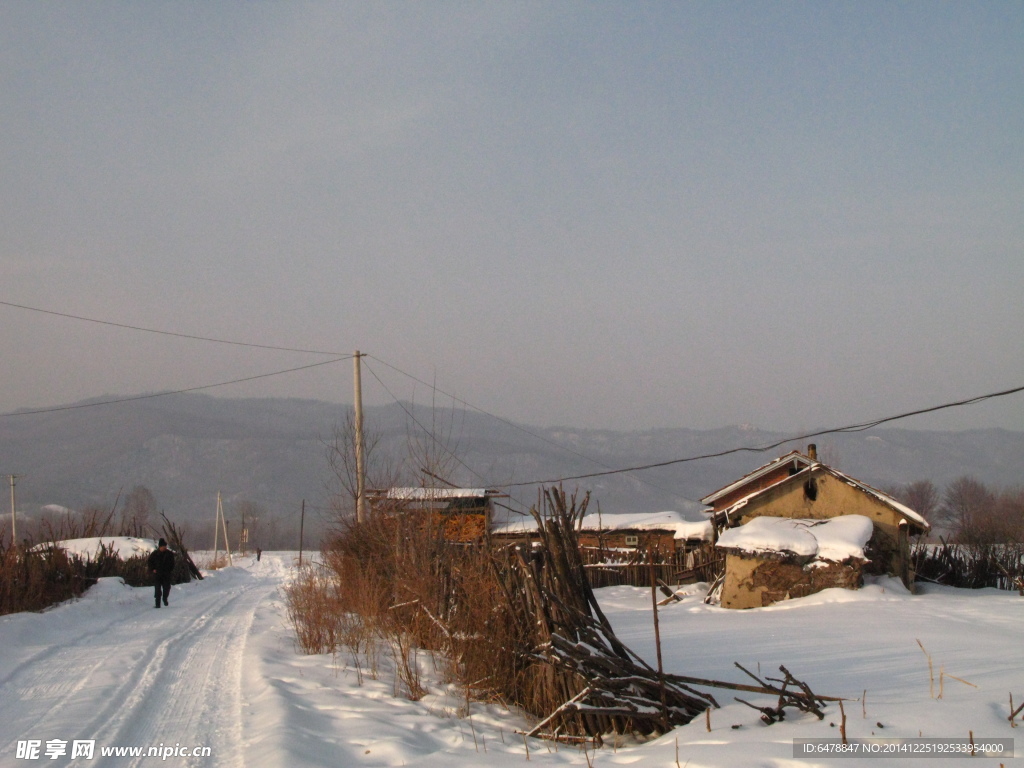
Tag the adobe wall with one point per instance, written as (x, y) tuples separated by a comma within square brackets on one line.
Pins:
[(754, 582)]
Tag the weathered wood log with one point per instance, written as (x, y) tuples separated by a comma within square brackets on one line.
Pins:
[(769, 715)]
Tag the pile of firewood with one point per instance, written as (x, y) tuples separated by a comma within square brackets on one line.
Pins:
[(578, 672), (581, 674)]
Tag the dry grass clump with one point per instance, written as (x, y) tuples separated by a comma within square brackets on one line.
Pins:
[(213, 562), (394, 584)]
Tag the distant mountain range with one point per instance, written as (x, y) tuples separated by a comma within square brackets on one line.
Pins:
[(186, 448)]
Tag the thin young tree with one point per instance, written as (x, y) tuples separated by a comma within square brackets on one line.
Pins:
[(340, 449)]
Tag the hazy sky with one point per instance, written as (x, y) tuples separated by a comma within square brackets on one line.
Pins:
[(608, 214)]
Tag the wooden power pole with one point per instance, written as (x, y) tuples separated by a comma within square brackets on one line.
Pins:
[(302, 526), (14, 517), (360, 457), (219, 520)]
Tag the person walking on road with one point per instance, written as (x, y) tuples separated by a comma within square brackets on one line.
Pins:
[(161, 565)]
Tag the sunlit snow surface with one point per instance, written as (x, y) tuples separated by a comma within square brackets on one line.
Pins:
[(218, 668), (88, 548), (834, 539)]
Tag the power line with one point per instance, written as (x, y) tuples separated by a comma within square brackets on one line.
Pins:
[(486, 413), (170, 333), (430, 434), (175, 392), (439, 443), (761, 449), (520, 428)]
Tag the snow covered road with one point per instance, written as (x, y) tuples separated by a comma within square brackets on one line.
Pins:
[(113, 669)]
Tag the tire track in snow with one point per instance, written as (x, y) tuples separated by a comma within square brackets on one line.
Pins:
[(171, 676), (191, 692), (43, 695)]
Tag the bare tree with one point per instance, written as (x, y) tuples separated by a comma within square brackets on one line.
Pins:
[(921, 496), (1009, 510), (139, 505), (968, 507), (434, 450), (380, 467)]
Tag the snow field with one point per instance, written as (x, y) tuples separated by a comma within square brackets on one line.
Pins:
[(218, 668)]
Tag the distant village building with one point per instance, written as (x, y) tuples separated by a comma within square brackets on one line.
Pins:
[(464, 514), (620, 548), (777, 546)]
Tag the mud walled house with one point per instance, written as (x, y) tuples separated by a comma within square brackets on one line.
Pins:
[(796, 526)]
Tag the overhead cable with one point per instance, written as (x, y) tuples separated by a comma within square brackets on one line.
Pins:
[(762, 448), (175, 392), (170, 333), (517, 426)]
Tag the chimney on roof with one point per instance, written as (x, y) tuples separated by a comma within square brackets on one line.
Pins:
[(812, 452)]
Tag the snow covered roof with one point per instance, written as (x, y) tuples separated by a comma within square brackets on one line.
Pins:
[(88, 548), (834, 539), (885, 498), (435, 494), (681, 528), (792, 456), (909, 514)]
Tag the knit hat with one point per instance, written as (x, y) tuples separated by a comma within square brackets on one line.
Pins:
[(161, 543)]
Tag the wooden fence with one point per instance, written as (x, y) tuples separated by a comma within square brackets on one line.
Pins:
[(612, 568)]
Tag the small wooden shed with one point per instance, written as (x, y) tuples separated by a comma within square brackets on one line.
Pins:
[(464, 514)]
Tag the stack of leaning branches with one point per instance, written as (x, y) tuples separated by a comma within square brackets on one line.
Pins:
[(581, 674)]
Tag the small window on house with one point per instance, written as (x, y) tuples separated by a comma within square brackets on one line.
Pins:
[(811, 489), (632, 541)]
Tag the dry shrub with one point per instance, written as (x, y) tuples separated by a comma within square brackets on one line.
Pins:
[(398, 584), (314, 610), (32, 581), (213, 562)]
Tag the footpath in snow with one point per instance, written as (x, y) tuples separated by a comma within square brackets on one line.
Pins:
[(217, 672)]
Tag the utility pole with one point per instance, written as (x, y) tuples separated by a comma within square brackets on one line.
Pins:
[(223, 528), (302, 525), (224, 524), (360, 457), (216, 530), (14, 519)]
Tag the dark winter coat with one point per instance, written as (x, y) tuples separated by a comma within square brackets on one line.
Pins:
[(162, 562)]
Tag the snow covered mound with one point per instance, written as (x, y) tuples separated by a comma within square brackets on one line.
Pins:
[(835, 539), (88, 549)]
